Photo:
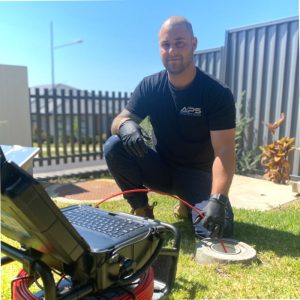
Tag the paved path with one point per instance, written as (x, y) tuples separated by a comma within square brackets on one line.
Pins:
[(259, 194), (76, 169), (246, 192)]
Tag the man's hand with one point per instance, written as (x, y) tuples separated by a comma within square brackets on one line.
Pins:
[(133, 137), (214, 215)]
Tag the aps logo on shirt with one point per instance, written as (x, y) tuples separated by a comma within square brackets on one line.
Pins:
[(191, 111)]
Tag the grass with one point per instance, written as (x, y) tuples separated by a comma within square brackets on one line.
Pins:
[(60, 148), (274, 234)]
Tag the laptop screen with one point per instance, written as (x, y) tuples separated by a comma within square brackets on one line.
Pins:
[(22, 156)]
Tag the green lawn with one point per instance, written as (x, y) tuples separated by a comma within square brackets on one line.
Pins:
[(43, 150), (276, 274)]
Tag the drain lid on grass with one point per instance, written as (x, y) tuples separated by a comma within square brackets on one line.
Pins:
[(210, 251)]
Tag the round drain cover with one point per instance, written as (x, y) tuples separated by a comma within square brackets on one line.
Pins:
[(223, 251)]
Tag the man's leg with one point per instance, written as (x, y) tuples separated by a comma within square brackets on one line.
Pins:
[(135, 173), (194, 186)]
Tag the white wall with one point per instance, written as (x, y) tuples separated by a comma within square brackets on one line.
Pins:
[(15, 125)]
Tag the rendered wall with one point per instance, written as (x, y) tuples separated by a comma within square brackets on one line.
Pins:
[(15, 125)]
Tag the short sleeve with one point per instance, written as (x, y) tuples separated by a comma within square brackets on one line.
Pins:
[(222, 113), (139, 103)]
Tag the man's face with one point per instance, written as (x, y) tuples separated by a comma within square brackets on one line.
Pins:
[(177, 46)]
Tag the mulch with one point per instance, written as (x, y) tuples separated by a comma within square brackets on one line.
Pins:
[(97, 189)]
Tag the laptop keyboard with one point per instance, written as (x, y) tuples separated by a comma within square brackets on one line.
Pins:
[(90, 218)]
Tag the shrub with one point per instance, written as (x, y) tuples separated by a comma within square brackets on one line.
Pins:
[(274, 156), (246, 160)]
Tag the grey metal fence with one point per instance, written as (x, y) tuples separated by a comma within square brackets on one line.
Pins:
[(263, 62), (70, 125), (210, 61)]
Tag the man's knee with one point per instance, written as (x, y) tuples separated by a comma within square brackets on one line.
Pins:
[(112, 147)]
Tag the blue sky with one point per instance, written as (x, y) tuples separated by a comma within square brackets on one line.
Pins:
[(120, 44)]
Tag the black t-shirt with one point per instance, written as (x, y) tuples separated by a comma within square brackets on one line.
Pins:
[(182, 119)]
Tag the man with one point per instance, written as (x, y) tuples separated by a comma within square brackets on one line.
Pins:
[(193, 120)]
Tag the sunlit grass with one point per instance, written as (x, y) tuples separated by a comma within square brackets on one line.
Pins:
[(274, 234), (60, 150)]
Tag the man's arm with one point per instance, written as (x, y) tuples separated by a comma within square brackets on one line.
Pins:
[(121, 118), (133, 137), (223, 142)]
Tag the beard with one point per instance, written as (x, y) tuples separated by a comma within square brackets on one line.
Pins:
[(179, 65), (175, 68)]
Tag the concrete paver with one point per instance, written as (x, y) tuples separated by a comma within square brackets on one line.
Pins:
[(70, 169), (246, 192), (259, 194), (90, 191)]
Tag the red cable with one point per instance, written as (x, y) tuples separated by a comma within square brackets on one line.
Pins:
[(20, 286), (223, 245), (155, 191), (162, 193)]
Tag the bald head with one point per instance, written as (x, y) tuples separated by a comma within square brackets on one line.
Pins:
[(177, 21), (177, 45)]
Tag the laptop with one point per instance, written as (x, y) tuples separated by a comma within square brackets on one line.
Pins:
[(22, 156), (81, 241)]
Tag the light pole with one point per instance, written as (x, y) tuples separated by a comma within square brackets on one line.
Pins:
[(52, 48)]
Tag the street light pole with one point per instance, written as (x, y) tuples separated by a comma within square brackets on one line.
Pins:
[(52, 52), (52, 55)]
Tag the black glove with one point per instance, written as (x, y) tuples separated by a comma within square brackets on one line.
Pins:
[(214, 215), (133, 137)]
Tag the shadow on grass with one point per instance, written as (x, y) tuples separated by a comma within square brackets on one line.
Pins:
[(187, 236), (265, 239), (191, 288)]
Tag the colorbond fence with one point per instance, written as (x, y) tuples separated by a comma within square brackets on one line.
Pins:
[(262, 61)]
